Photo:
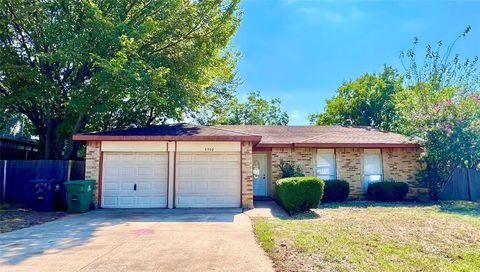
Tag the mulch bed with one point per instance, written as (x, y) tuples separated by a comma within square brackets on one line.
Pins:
[(14, 217)]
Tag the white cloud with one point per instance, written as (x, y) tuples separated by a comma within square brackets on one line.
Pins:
[(295, 114), (319, 14), (285, 95)]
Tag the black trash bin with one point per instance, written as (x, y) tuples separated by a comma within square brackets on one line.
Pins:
[(47, 195)]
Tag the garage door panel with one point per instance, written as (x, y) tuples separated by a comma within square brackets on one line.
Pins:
[(216, 171), (129, 157), (112, 158), (185, 186), (145, 157), (201, 171), (201, 158), (127, 186), (145, 171), (127, 172), (217, 158), (200, 186), (111, 171), (217, 187), (208, 179), (126, 201), (110, 201), (160, 172), (110, 186), (231, 158), (123, 170)]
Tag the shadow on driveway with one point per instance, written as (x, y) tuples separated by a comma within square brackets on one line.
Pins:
[(77, 230)]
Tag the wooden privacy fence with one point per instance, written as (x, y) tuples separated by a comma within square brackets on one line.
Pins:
[(463, 184), (16, 175)]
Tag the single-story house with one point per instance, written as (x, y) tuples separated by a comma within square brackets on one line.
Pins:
[(182, 165)]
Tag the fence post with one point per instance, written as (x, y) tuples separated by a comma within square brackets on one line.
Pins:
[(4, 185), (69, 170), (468, 185)]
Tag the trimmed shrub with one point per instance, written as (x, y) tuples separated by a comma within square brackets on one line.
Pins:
[(335, 190), (299, 193), (387, 191), (290, 169)]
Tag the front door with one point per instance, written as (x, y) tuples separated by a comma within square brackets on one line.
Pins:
[(259, 174)]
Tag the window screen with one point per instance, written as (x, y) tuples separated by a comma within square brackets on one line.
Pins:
[(326, 164)]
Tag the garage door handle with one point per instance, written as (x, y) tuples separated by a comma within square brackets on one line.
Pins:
[(135, 187)]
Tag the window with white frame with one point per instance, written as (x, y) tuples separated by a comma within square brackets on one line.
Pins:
[(326, 169), (372, 167)]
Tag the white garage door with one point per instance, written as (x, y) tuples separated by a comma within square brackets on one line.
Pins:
[(208, 179), (134, 180)]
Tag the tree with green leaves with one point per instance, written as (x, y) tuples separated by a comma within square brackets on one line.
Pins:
[(436, 78), (436, 99), (73, 66), (365, 101), (441, 105), (439, 68), (453, 138), (255, 111)]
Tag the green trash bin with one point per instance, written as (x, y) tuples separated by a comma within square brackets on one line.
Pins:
[(79, 195)]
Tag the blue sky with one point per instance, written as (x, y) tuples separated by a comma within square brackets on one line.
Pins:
[(301, 51)]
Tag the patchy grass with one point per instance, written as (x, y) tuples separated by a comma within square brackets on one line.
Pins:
[(368, 236), (13, 217)]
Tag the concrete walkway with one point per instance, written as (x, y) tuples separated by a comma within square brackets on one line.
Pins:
[(267, 209), (137, 240)]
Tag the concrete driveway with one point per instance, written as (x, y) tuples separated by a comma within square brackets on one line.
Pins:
[(137, 240)]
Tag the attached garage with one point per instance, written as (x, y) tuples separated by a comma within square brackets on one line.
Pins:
[(170, 166), (134, 180), (135, 174), (208, 179)]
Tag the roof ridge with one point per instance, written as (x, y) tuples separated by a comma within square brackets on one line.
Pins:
[(314, 137), (234, 131)]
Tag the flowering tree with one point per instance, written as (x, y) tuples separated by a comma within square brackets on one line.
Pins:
[(453, 137)]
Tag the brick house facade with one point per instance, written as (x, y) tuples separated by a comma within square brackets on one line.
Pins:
[(199, 166)]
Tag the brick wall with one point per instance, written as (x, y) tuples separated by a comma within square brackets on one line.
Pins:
[(304, 157), (350, 168), (247, 176), (401, 164), (92, 164)]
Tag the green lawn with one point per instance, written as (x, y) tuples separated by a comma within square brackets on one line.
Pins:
[(366, 236)]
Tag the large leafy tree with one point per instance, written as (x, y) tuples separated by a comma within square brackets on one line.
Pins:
[(255, 111), (365, 101), (71, 66)]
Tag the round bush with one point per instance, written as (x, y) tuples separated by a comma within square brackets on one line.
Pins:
[(387, 191), (336, 190), (299, 193)]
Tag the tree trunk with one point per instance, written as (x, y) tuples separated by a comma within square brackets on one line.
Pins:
[(71, 147), (50, 140)]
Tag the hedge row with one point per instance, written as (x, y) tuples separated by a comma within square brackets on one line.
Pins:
[(304, 193)]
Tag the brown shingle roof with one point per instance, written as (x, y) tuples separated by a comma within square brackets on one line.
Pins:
[(312, 135), (172, 132), (265, 136)]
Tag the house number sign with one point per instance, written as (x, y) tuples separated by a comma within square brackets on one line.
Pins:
[(209, 149)]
